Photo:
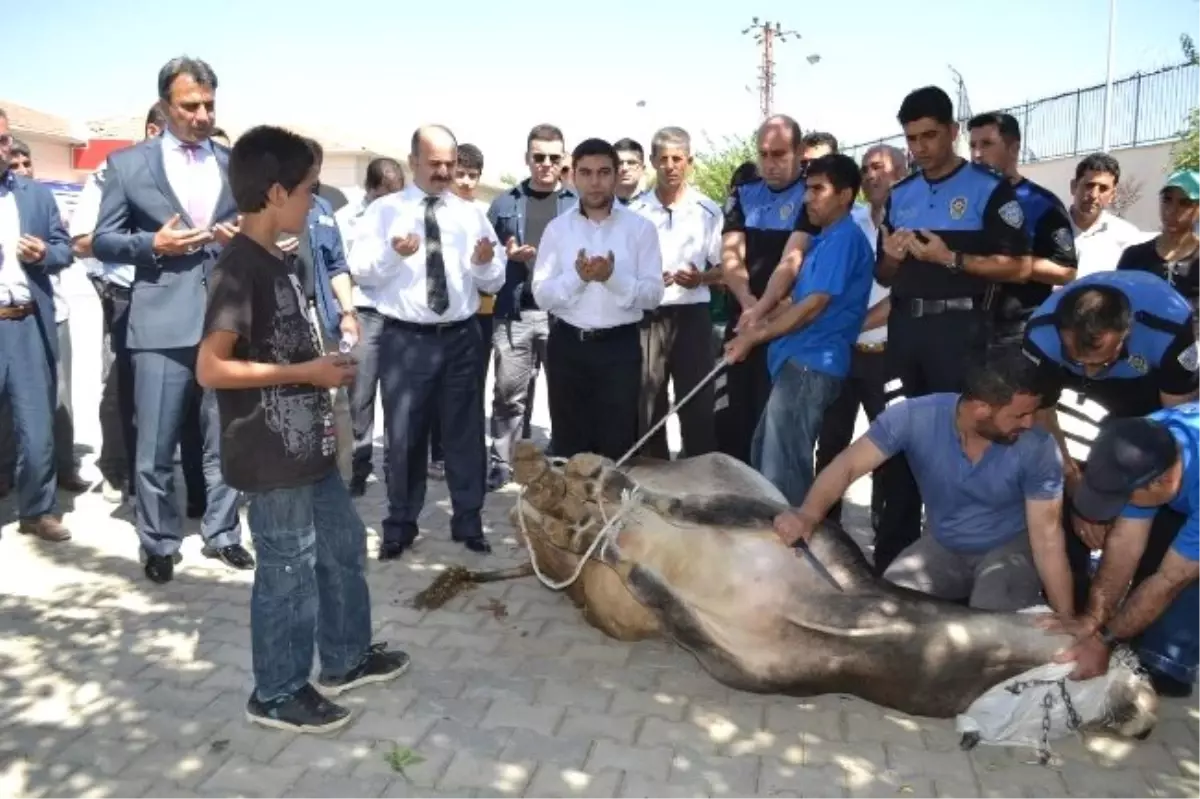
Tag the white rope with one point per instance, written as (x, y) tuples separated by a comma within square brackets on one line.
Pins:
[(629, 498)]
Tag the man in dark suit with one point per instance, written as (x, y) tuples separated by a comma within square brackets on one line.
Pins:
[(167, 209), (33, 246)]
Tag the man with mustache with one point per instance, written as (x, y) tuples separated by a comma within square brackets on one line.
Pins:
[(1100, 235)]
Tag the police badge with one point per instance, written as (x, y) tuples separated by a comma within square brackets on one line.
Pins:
[(1138, 364), (958, 207), (1064, 242), (785, 210), (1190, 358), (1012, 215)]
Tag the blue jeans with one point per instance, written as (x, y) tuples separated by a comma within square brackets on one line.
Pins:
[(1169, 645), (309, 585), (787, 431)]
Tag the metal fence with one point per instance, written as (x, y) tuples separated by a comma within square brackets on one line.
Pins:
[(1147, 108)]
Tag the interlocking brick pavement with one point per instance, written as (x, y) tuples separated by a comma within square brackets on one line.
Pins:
[(112, 686)]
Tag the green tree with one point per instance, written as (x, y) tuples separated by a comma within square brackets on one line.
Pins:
[(508, 179), (1186, 152), (714, 168), (1189, 49)]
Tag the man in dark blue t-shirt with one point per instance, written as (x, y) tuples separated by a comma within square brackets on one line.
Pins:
[(809, 340), (951, 232)]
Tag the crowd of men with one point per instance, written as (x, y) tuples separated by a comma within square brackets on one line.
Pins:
[(1028, 368)]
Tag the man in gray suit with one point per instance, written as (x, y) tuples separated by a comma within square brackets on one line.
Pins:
[(167, 209)]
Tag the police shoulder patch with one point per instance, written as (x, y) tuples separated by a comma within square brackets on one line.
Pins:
[(1063, 240), (1138, 364), (1190, 357), (1012, 214)]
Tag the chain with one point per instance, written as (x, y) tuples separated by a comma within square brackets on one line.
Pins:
[(1074, 721)]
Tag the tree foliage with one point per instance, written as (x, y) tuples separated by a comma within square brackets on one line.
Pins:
[(714, 168), (1186, 152), (1189, 48)]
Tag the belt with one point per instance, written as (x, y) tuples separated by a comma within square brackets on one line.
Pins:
[(873, 347), (596, 334), (433, 328), (922, 307), (13, 312)]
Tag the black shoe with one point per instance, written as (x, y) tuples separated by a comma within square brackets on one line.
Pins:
[(72, 483), (437, 470), (391, 551), (479, 545), (234, 555), (497, 478), (382, 664), (358, 486), (161, 568), (1169, 686), (304, 711)]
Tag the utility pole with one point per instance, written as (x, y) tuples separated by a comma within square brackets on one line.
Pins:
[(767, 34)]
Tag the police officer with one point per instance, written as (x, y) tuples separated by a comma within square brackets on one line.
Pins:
[(996, 143), (760, 216), (951, 231), (1115, 344)]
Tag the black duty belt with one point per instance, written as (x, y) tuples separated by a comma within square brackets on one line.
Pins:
[(917, 306), (433, 328), (595, 334)]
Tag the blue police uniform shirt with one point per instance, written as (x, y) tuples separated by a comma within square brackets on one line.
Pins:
[(974, 210), (840, 263), (767, 217), (1159, 354), (1050, 235), (1184, 423), (972, 507)]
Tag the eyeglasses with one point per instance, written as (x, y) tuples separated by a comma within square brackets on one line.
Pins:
[(541, 158)]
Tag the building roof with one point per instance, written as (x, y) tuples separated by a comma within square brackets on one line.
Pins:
[(23, 119)]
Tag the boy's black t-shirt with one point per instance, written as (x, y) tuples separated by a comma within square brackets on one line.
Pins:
[(1183, 274), (279, 436)]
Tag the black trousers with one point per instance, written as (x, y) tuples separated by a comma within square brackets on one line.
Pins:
[(425, 369), (677, 346), (928, 353), (863, 387), (742, 391), (117, 429), (436, 451), (593, 381)]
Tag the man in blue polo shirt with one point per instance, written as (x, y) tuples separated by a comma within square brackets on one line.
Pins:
[(1140, 470), (1112, 345), (992, 485), (808, 353)]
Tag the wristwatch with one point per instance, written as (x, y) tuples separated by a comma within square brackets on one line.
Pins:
[(1107, 637), (957, 264)]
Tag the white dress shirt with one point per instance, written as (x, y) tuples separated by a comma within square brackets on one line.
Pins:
[(1099, 247), (14, 283), (83, 223), (689, 232), (395, 284), (196, 185), (635, 285), (861, 214)]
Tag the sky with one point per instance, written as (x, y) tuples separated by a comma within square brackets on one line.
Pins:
[(373, 70)]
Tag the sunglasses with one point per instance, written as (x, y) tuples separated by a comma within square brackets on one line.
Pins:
[(541, 158)]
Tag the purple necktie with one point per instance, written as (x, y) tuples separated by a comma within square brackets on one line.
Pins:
[(199, 204)]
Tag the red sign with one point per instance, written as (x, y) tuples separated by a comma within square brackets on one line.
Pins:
[(87, 157)]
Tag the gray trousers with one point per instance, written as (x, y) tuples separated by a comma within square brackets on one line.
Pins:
[(64, 424), (1002, 579), (520, 346), (677, 346)]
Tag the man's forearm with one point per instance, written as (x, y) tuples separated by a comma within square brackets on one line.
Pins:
[(1050, 557), (829, 487), (227, 373), (782, 280), (82, 246), (878, 314), (1112, 579), (343, 290), (1004, 268), (1145, 604), (1049, 273)]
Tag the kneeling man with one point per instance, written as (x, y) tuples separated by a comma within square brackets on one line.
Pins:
[(992, 485)]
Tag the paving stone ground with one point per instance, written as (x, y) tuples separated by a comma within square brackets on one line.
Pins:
[(112, 686)]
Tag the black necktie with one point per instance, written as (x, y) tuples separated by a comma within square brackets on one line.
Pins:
[(435, 266)]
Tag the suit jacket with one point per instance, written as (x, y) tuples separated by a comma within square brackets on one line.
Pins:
[(166, 306), (40, 217)]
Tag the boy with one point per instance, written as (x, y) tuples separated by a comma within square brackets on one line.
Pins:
[(278, 445)]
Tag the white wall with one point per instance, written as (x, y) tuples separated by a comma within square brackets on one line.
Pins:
[(51, 158), (1145, 168)]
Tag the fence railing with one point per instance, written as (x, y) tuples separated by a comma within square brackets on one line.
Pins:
[(1147, 108)]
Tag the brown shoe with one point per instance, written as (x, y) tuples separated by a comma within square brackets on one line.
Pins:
[(47, 528)]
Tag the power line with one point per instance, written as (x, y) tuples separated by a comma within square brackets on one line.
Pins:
[(766, 34)]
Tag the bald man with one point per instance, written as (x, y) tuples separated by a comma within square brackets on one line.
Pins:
[(421, 257)]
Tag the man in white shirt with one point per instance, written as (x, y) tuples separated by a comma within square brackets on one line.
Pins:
[(598, 270), (676, 336), (1100, 235), (882, 166), (422, 256)]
